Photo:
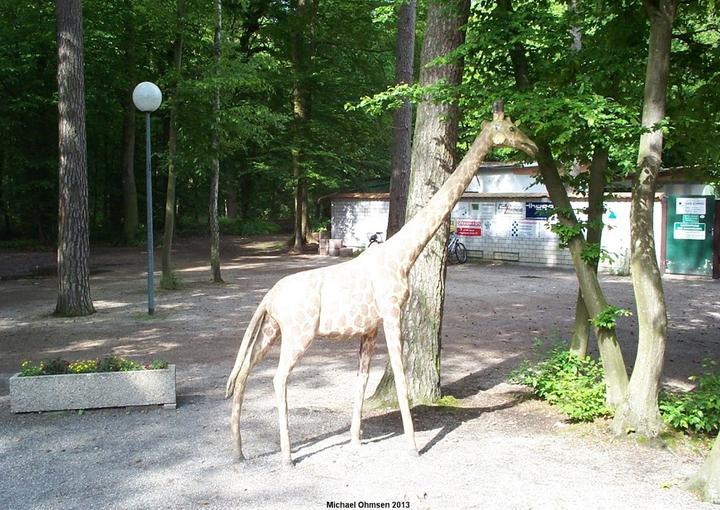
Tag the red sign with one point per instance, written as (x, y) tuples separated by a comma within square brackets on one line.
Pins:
[(468, 228)]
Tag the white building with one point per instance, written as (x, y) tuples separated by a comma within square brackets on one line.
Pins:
[(501, 216)]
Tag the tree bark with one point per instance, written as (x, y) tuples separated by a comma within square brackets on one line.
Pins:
[(433, 158), (706, 483), (168, 279), (402, 119), (215, 178), (73, 234), (639, 412), (596, 207)]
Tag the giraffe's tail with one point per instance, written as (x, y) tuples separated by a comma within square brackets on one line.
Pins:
[(245, 354)]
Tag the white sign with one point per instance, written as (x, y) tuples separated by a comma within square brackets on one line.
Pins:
[(510, 209), (690, 205), (689, 231)]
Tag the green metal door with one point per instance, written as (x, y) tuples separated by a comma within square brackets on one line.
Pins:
[(689, 235)]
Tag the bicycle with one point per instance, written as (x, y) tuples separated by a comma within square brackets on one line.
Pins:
[(456, 250), (375, 238)]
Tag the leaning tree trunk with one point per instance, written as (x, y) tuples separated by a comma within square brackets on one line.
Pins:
[(706, 483), (433, 158), (215, 178), (596, 207), (73, 235), (616, 379), (168, 279), (639, 412), (402, 119)]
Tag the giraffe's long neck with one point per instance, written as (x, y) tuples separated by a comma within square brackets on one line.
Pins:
[(410, 240)]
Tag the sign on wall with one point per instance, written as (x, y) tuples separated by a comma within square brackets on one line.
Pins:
[(509, 209), (689, 205), (538, 210), (468, 228)]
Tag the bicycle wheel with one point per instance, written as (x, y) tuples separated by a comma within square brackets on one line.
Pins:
[(451, 253), (460, 253)]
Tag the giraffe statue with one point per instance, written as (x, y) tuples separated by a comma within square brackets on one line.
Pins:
[(354, 298)]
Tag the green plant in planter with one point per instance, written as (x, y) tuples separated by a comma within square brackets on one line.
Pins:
[(108, 364)]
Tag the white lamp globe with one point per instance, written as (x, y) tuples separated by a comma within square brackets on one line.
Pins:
[(147, 97)]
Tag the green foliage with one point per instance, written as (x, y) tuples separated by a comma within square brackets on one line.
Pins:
[(593, 253), (447, 401), (109, 364), (566, 233), (697, 410), (608, 317), (575, 385), (247, 227)]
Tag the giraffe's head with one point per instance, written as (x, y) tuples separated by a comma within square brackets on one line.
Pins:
[(505, 134)]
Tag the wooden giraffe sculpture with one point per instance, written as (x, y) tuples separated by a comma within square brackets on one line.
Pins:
[(352, 299)]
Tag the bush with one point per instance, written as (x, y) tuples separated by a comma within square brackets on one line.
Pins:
[(575, 385), (248, 227), (697, 410), (109, 364)]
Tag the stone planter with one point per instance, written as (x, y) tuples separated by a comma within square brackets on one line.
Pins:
[(88, 391)]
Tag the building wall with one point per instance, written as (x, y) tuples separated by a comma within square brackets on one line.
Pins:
[(509, 229), (354, 221)]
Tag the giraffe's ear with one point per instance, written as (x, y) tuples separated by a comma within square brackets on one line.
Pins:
[(509, 119)]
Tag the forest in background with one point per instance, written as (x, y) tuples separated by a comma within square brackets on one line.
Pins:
[(132, 41), (586, 61)]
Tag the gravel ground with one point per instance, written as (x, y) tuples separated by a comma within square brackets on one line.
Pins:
[(497, 449)]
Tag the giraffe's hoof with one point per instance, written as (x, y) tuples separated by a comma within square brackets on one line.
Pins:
[(287, 463), (412, 452), (239, 456), (355, 444)]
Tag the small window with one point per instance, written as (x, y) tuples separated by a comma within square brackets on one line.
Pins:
[(475, 207)]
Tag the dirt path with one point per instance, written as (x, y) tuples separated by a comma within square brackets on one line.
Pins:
[(497, 450)]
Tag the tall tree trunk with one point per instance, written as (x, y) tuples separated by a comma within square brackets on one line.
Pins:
[(596, 207), (300, 52), (215, 178), (707, 481), (402, 118), (231, 199), (433, 158), (640, 411), (169, 279), (130, 197), (73, 234)]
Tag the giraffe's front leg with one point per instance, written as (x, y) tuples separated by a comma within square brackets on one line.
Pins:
[(391, 324), (367, 347)]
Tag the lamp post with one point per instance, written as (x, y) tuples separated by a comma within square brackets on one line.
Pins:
[(147, 98)]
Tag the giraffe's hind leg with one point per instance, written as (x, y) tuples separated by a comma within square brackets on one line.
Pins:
[(367, 347), (269, 333), (291, 350)]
